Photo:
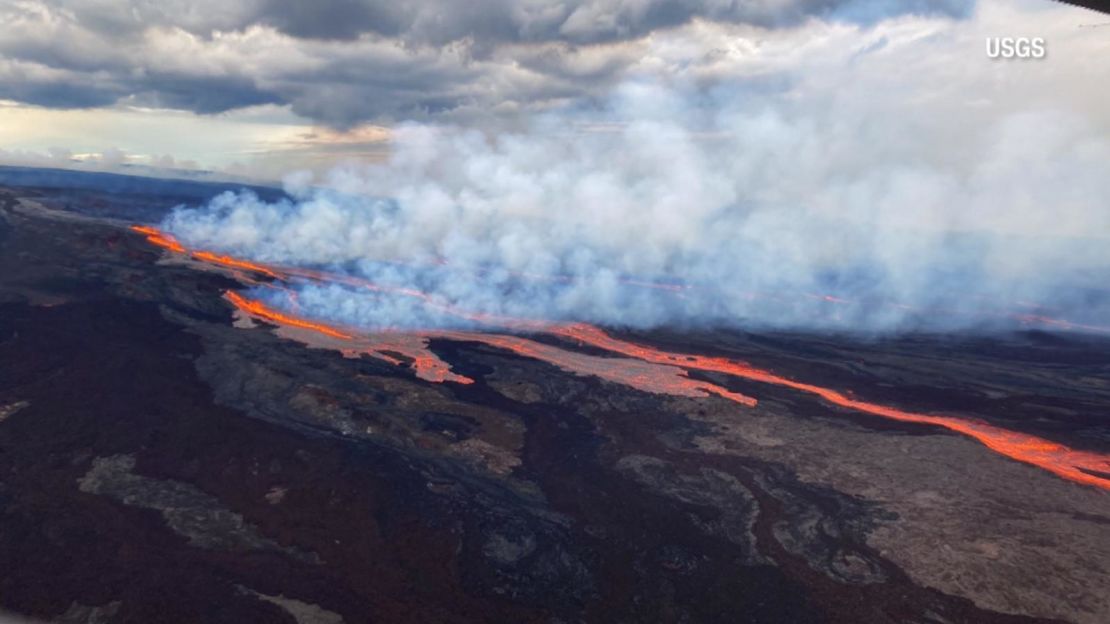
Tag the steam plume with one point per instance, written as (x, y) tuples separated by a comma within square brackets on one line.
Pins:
[(806, 204)]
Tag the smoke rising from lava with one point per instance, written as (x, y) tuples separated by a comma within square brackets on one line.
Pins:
[(838, 195)]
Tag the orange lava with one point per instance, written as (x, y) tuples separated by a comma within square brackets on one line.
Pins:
[(261, 310), (1056, 458), (156, 237), (641, 367), (636, 373), (234, 263), (161, 239), (429, 301), (167, 241), (412, 346), (411, 349), (398, 349)]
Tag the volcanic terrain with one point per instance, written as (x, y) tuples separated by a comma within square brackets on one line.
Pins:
[(174, 450)]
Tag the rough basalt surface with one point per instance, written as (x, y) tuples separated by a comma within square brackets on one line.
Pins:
[(162, 462)]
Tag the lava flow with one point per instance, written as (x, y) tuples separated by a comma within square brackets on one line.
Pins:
[(426, 299), (1080, 466), (412, 348), (636, 373), (259, 309), (409, 349), (161, 239), (156, 237), (642, 367), (235, 263)]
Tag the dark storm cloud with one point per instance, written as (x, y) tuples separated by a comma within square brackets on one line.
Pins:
[(334, 19), (204, 94), (439, 22), (342, 62), (57, 94)]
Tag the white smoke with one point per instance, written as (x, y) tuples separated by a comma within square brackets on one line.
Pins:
[(895, 169)]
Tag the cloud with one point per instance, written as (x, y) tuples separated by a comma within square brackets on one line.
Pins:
[(880, 179), (110, 160), (343, 62), (439, 22)]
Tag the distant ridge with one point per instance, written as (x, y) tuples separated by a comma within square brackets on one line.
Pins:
[(40, 177)]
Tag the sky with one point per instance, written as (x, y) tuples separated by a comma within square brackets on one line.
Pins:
[(550, 158), (262, 88)]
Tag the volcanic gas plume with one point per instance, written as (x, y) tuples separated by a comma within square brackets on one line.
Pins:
[(632, 364), (670, 208)]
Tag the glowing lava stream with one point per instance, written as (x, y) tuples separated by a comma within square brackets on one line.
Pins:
[(646, 369), (635, 373), (259, 309), (1056, 458), (156, 237), (164, 240)]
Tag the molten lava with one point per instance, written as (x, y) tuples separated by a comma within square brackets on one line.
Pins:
[(259, 309), (166, 241), (156, 237), (641, 374), (235, 263), (411, 349), (1056, 458), (641, 366), (428, 301)]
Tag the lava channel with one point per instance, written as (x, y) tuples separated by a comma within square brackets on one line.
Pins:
[(1075, 465), (669, 376), (411, 348)]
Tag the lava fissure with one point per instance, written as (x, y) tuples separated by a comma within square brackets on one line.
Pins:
[(257, 308), (641, 367)]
